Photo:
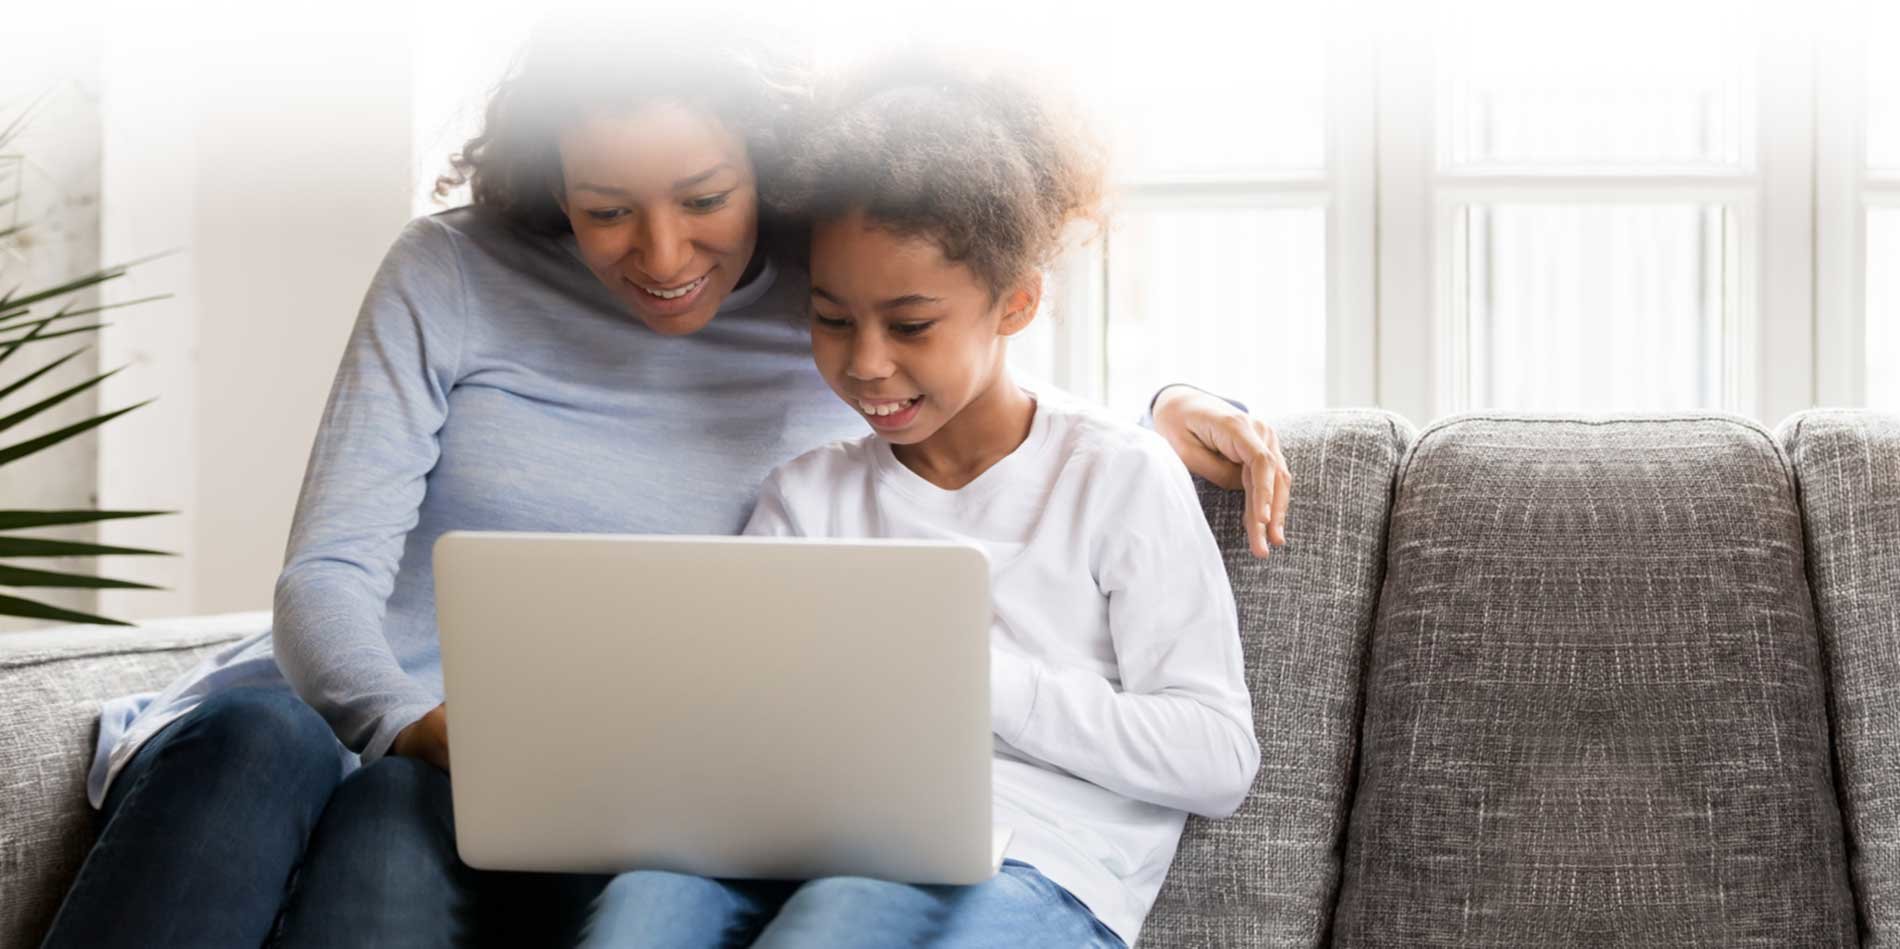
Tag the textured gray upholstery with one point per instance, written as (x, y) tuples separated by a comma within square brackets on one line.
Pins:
[(1595, 708), (1847, 466), (51, 685), (1267, 875), (1566, 684)]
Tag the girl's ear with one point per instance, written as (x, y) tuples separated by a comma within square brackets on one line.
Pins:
[(1020, 303)]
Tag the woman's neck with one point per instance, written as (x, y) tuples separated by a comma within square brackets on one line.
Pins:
[(984, 433)]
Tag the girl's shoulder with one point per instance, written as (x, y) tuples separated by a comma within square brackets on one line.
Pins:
[(1093, 437)]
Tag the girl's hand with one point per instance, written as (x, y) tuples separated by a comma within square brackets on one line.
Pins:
[(426, 738), (1234, 450)]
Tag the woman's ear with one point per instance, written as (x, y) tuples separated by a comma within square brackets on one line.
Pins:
[(1020, 303)]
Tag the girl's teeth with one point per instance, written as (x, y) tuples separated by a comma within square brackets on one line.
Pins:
[(886, 408)]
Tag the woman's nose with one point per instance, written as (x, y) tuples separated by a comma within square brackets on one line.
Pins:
[(664, 249)]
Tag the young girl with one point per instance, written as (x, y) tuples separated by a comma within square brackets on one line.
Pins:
[(937, 195)]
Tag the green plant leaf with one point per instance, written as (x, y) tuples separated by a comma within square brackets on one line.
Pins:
[(41, 547), (54, 400), (71, 286), (15, 452), (49, 367), (14, 606), (17, 342), (21, 520), (22, 577), (6, 327)]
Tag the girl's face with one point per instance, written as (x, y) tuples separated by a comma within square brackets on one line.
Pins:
[(665, 209), (903, 335)]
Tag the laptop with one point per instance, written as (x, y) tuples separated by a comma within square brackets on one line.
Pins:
[(732, 707)]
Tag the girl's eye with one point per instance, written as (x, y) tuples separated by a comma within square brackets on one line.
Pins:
[(911, 329), (829, 323), (606, 215), (708, 202)]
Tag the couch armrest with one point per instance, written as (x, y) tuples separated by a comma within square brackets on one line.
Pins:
[(52, 682)]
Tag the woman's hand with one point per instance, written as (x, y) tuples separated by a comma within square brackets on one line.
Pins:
[(426, 738), (1234, 450)]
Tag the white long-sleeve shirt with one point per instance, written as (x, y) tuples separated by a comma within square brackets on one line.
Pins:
[(1117, 695)]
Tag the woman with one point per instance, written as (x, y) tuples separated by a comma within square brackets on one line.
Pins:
[(494, 381)]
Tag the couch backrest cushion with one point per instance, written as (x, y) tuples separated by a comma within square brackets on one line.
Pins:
[(51, 686), (1595, 706), (1268, 875), (1847, 466)]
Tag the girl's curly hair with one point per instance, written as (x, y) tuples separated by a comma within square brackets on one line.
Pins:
[(574, 68), (994, 164)]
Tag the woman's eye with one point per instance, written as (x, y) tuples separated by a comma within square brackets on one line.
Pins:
[(911, 329), (708, 202), (830, 323), (606, 215)]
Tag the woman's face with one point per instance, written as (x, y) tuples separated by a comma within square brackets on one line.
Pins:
[(903, 335), (663, 203)]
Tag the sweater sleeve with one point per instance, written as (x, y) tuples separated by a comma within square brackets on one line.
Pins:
[(1178, 729), (375, 446)]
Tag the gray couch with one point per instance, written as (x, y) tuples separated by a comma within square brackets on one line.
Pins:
[(1517, 681)]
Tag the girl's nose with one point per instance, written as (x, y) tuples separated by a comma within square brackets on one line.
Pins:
[(870, 358)]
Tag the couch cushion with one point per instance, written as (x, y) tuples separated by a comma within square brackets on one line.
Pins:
[(51, 685), (1847, 465), (1267, 875), (1595, 705)]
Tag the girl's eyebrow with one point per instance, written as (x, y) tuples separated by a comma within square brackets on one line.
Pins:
[(894, 303)]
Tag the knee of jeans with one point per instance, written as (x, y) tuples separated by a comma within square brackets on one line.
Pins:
[(848, 890), (397, 795), (266, 728)]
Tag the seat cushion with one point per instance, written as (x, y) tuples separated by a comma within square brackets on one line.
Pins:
[(1595, 706), (52, 683), (1847, 465), (1267, 876)]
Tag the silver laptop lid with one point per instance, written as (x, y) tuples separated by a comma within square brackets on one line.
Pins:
[(729, 706)]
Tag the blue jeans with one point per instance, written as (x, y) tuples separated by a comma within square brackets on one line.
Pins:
[(382, 870), (1018, 907), (202, 829)]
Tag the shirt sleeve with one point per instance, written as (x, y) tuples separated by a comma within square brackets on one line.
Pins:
[(375, 446), (1178, 728), (772, 515)]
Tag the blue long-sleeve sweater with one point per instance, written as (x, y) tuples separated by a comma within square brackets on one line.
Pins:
[(491, 383)]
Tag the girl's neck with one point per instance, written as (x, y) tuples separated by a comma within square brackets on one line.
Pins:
[(984, 433)]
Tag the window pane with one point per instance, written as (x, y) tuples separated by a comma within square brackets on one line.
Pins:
[(1595, 308), (1215, 104), (1546, 95), (1883, 93), (1230, 299), (1883, 308)]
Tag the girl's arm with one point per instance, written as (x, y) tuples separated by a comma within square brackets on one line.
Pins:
[(373, 451), (1178, 729)]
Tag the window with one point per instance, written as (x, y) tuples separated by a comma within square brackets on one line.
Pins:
[(1625, 206)]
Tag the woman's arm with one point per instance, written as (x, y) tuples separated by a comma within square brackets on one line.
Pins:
[(1178, 728), (368, 467), (1232, 449)]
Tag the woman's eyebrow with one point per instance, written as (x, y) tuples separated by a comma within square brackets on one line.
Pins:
[(692, 180)]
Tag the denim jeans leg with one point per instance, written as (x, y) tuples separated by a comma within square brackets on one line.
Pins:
[(382, 870), (653, 909), (203, 827)]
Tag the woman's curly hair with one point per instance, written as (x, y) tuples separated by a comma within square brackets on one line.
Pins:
[(994, 164), (574, 68)]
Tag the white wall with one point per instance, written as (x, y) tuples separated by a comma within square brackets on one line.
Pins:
[(276, 155)]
